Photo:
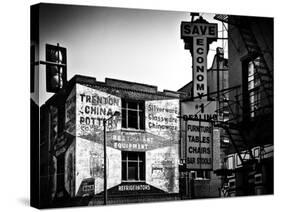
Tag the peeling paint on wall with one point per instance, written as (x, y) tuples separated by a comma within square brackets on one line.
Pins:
[(159, 140), (162, 118), (136, 141), (162, 168), (90, 164)]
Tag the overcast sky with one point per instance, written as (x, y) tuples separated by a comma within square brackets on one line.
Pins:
[(128, 44)]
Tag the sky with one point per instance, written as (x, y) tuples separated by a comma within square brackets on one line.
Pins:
[(135, 45)]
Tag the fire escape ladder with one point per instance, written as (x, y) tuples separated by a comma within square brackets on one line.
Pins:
[(228, 106), (234, 131), (252, 45), (241, 114), (236, 141), (244, 26), (262, 71)]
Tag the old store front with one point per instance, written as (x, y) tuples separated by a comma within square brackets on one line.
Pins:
[(142, 143)]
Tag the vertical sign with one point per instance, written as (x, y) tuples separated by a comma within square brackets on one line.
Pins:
[(197, 36), (200, 67)]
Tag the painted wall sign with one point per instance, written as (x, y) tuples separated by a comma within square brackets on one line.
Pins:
[(134, 187), (90, 164), (136, 141), (159, 141), (92, 107), (162, 118), (162, 168), (197, 136), (198, 36), (87, 187)]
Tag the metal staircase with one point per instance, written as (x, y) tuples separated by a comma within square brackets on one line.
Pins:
[(233, 125), (236, 126), (263, 72)]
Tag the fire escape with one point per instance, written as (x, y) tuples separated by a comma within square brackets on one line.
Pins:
[(243, 111)]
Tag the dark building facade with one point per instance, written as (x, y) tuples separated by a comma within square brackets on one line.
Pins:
[(248, 165), (142, 143)]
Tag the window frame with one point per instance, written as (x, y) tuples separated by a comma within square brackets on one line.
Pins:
[(206, 174), (251, 87), (140, 160), (140, 110), (254, 87)]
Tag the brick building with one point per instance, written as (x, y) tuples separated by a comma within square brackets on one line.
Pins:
[(142, 143)]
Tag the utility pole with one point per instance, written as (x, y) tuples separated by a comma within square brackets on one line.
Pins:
[(117, 113), (104, 154), (218, 76)]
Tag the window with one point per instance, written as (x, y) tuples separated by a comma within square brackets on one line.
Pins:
[(230, 162), (132, 114), (201, 174), (133, 166), (254, 87), (225, 139)]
